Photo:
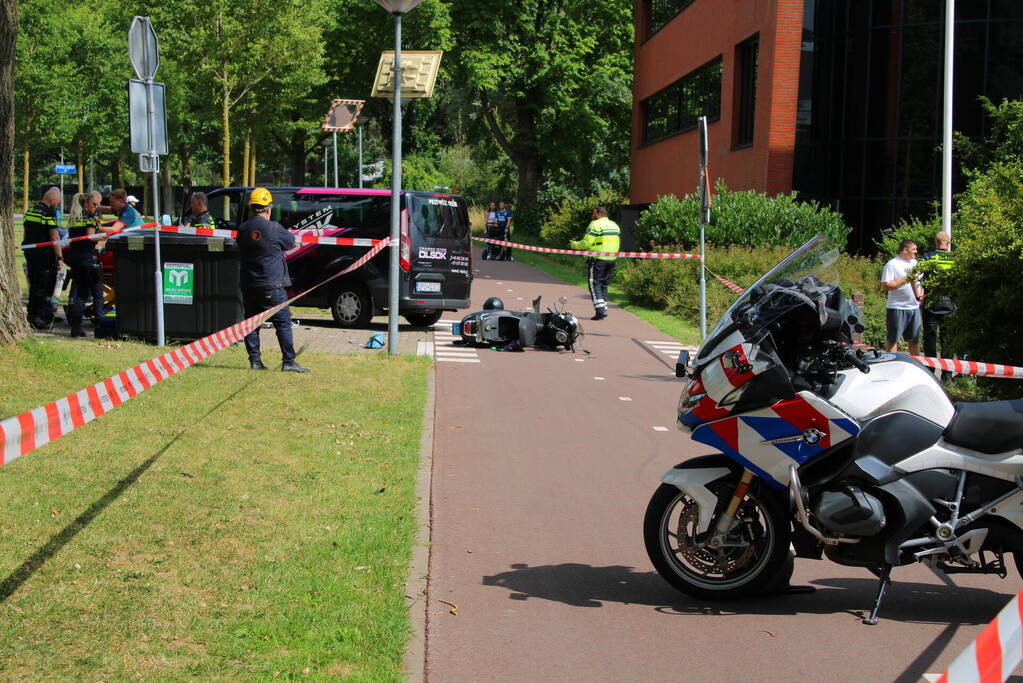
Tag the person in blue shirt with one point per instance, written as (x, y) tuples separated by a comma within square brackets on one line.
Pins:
[(127, 216), (504, 226)]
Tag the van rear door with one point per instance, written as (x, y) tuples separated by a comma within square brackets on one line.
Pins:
[(440, 265)]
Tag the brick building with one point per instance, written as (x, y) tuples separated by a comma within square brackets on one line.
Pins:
[(839, 100)]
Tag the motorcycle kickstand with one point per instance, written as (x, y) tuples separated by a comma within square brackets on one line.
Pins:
[(885, 576)]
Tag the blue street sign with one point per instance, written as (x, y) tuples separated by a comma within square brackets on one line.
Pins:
[(65, 169)]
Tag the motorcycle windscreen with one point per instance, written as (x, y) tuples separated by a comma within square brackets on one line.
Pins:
[(749, 318)]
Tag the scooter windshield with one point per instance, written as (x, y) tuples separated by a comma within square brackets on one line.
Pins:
[(770, 297)]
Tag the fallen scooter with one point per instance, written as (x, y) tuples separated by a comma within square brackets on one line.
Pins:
[(516, 330)]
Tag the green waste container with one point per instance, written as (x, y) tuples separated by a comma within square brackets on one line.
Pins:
[(200, 284)]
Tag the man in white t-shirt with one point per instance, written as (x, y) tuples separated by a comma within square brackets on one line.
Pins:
[(902, 314)]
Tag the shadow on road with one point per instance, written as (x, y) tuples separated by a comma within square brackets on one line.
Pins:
[(582, 585)]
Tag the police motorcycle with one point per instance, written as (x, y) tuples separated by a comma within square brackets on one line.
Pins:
[(859, 457), (556, 328)]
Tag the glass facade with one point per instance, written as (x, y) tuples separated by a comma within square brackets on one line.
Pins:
[(676, 108), (660, 12), (869, 123)]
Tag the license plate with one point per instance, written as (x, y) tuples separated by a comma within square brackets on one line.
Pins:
[(456, 329), (427, 286)]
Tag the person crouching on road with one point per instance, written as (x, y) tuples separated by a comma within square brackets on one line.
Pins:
[(83, 219), (603, 235), (264, 276)]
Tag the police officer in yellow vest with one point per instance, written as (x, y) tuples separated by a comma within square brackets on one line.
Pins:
[(936, 310), (604, 235)]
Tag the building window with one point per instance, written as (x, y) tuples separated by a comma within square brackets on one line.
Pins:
[(660, 12), (676, 108), (747, 57)]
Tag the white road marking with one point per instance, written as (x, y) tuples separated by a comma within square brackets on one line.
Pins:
[(580, 360), (660, 429), (444, 348), (624, 398), (599, 379)]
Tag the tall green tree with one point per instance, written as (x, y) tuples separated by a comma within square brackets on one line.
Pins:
[(551, 79), (13, 325), (266, 51)]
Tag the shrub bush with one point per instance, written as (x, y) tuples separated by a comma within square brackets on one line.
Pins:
[(569, 221), (744, 218), (988, 248), (921, 231), (674, 286)]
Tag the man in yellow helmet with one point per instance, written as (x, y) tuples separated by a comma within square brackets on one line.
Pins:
[(264, 278), (603, 235)]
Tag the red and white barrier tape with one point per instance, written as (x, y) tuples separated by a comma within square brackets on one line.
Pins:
[(24, 433), (995, 653), (312, 238), (576, 252), (95, 236), (727, 283), (962, 367), (202, 232)]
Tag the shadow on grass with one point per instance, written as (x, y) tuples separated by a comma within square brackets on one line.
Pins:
[(29, 567)]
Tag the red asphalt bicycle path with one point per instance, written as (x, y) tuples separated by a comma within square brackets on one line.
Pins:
[(541, 476)]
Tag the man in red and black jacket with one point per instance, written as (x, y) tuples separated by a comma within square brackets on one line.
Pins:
[(264, 278)]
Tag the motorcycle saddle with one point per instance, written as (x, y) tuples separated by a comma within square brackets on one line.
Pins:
[(992, 427)]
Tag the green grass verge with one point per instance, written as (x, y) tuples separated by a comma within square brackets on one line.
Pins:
[(572, 269), (225, 523)]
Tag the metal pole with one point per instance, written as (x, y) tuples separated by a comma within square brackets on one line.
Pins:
[(325, 155), (335, 158), (61, 181), (154, 160), (704, 220), (946, 147), (392, 290), (92, 174), (360, 156)]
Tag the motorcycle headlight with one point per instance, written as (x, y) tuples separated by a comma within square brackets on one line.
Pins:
[(692, 393)]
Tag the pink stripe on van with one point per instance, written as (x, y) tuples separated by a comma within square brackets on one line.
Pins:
[(328, 190)]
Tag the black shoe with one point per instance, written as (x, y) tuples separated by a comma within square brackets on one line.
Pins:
[(77, 331), (257, 365), (292, 366), (600, 315)]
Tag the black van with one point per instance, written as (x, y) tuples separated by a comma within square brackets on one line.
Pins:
[(435, 252)]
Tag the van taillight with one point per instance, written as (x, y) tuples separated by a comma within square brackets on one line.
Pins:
[(405, 250)]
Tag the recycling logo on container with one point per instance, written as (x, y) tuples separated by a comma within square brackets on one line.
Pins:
[(178, 283)]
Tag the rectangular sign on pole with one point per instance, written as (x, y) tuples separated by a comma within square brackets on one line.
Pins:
[(65, 169), (178, 282), (138, 117)]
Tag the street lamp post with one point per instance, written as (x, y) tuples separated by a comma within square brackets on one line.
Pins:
[(398, 8)]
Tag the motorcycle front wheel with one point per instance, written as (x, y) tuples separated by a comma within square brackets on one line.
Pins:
[(753, 560)]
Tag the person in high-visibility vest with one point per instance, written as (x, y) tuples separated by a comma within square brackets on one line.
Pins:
[(82, 258), (199, 216), (603, 235), (937, 309), (41, 225)]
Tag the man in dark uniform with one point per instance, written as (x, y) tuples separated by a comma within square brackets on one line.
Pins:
[(199, 216), (264, 276), (41, 226), (938, 309)]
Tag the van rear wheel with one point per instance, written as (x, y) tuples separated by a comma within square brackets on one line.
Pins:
[(423, 319), (350, 305)]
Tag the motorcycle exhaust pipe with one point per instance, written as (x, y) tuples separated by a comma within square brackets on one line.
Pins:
[(795, 489)]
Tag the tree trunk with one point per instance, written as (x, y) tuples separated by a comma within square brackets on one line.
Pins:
[(186, 166), (13, 325), (166, 189), (226, 122), (24, 177), (245, 160), (252, 163), (80, 166), (297, 156)]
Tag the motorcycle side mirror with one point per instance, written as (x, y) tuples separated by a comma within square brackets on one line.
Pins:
[(682, 364), (562, 300)]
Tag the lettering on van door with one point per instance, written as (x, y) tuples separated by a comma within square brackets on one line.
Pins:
[(433, 253)]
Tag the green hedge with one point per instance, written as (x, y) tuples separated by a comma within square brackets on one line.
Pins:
[(571, 218), (674, 286), (744, 218)]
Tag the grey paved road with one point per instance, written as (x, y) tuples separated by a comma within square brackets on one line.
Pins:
[(541, 476)]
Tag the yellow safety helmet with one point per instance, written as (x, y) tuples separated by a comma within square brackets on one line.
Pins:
[(261, 197)]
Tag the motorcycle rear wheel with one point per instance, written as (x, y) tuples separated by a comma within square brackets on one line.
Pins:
[(683, 558)]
